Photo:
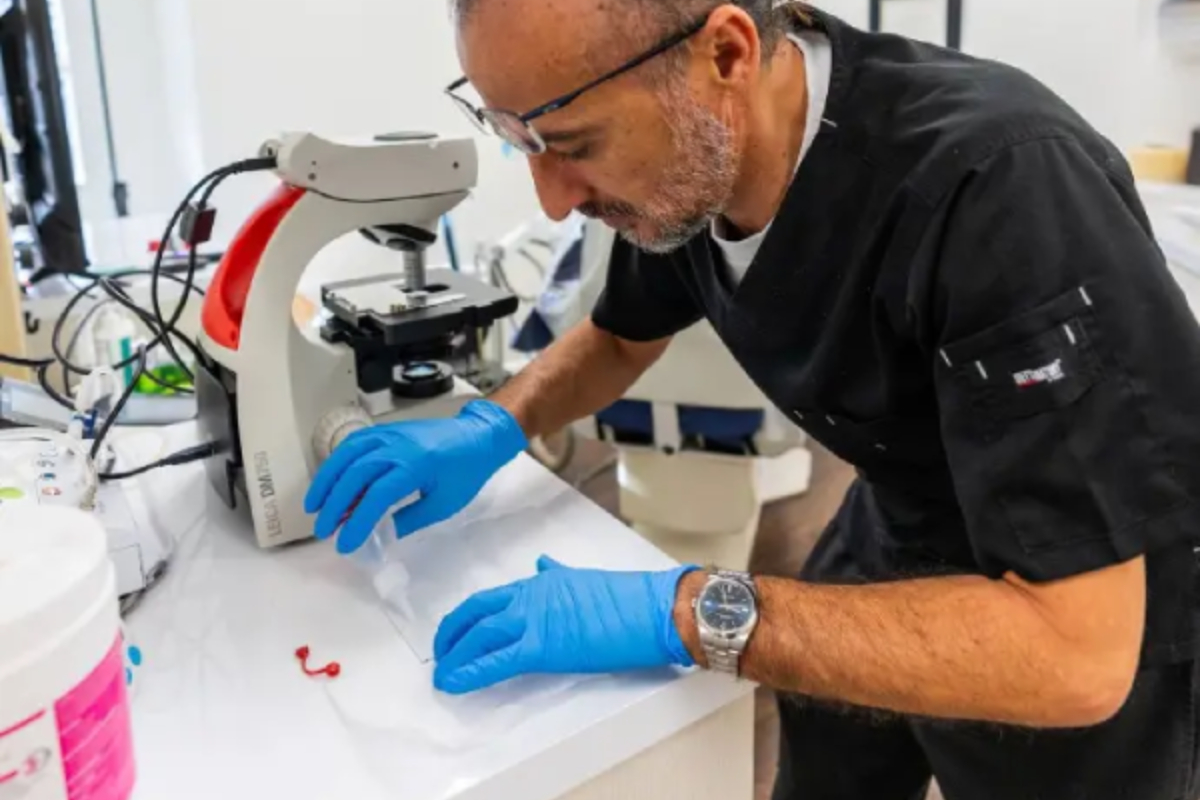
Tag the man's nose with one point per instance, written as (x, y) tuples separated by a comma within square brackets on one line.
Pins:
[(559, 190)]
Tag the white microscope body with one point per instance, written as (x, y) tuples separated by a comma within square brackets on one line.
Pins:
[(276, 389)]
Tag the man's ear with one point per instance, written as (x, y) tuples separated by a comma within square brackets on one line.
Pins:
[(732, 45)]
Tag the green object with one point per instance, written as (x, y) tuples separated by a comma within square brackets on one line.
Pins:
[(10, 493), (169, 374)]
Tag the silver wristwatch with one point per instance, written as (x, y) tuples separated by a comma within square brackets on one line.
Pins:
[(726, 615)]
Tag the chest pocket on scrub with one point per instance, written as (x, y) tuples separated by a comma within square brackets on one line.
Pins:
[(1020, 403), (1030, 365)]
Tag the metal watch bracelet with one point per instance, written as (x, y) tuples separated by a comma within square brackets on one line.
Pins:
[(720, 656)]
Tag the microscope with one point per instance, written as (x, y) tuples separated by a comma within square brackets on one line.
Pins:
[(277, 401)]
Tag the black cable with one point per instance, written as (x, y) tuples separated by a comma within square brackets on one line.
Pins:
[(56, 334), (239, 167), (162, 329), (133, 271), (156, 270), (30, 363), (122, 298), (207, 185), (110, 419), (65, 374), (118, 295), (50, 391), (68, 368), (186, 456), (106, 282)]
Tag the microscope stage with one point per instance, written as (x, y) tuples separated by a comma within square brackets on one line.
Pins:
[(387, 298), (381, 308)]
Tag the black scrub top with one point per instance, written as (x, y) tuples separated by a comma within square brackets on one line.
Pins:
[(962, 297)]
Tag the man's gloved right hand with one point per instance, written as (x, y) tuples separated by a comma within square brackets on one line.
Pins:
[(447, 460)]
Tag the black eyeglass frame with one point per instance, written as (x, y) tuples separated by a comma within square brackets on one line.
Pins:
[(485, 118)]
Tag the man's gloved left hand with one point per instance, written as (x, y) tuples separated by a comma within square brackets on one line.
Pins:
[(562, 620)]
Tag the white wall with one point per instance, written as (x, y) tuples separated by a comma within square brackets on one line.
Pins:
[(350, 67), (195, 84), (1106, 58), (1169, 83), (1050, 48), (1102, 56), (139, 105)]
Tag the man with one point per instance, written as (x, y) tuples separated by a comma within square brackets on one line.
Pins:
[(944, 275)]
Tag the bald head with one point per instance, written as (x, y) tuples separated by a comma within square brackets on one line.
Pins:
[(630, 23), (655, 151)]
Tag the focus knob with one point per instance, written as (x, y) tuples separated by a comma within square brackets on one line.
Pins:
[(335, 426)]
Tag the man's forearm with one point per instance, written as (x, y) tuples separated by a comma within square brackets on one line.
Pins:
[(583, 372), (958, 647)]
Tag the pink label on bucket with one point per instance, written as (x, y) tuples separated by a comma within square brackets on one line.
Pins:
[(95, 733)]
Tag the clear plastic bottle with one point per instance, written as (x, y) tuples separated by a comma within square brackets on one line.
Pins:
[(112, 340)]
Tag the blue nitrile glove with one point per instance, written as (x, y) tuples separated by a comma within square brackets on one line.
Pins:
[(562, 620), (447, 460)]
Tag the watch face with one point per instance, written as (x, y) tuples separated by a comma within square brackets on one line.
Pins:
[(726, 606)]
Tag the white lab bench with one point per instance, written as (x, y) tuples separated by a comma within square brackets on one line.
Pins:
[(222, 709)]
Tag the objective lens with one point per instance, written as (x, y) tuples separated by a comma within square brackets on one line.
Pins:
[(421, 372)]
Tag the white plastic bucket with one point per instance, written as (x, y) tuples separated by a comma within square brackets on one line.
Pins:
[(65, 730)]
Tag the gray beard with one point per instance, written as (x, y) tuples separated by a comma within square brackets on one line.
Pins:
[(667, 241), (698, 183)]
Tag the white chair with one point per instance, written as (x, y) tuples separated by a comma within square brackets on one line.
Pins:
[(700, 448)]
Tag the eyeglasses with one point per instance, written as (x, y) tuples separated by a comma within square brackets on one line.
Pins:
[(516, 129)]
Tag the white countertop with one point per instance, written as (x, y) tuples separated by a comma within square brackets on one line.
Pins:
[(221, 708)]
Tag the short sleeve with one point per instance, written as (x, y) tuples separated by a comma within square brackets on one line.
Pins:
[(1067, 366), (645, 297)]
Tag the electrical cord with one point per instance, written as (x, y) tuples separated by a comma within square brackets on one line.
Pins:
[(28, 363), (163, 330), (109, 285), (116, 294), (44, 381), (122, 298), (205, 188), (186, 456), (110, 418), (78, 333)]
